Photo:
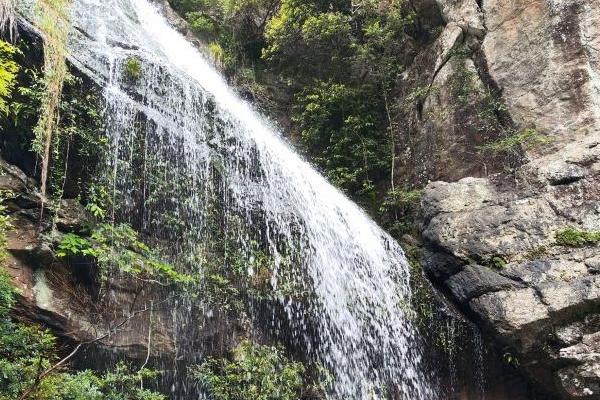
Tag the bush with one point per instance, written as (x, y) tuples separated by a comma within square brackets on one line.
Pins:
[(497, 262), (526, 139), (8, 74), (256, 372)]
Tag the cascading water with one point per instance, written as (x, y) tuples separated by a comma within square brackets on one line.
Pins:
[(208, 144)]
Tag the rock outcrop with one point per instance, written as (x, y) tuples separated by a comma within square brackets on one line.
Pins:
[(492, 237)]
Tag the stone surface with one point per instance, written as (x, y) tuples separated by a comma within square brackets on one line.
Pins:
[(543, 58), (71, 215), (65, 296), (518, 316), (476, 280), (464, 13), (581, 379)]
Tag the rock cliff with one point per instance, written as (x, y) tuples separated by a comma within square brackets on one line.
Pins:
[(509, 242)]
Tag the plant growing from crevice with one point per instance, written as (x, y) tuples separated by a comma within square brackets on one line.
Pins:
[(570, 237), (526, 139), (132, 68), (497, 262)]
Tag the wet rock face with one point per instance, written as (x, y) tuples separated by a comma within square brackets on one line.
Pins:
[(492, 239)]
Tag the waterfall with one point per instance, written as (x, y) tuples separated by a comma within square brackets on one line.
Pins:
[(351, 304)]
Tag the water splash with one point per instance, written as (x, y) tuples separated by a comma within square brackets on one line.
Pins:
[(209, 147)]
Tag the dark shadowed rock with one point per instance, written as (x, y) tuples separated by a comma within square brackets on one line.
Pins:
[(476, 280)]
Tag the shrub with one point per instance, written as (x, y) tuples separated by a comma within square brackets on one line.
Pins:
[(255, 372), (8, 73), (497, 262), (119, 247)]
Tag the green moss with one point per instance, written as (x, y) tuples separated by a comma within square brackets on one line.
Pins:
[(576, 238), (132, 68)]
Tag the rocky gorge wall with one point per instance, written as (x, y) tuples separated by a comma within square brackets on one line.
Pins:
[(495, 234)]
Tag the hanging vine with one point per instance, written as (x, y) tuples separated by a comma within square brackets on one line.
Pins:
[(8, 19), (54, 24)]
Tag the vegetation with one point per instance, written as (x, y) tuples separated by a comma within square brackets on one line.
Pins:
[(576, 238), (54, 24), (119, 247), (337, 62), (29, 357), (255, 372), (132, 68), (397, 210), (526, 139), (8, 73), (497, 262)]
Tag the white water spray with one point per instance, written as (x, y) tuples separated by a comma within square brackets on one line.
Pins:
[(356, 318)]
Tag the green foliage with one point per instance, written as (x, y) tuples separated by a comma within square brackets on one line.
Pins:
[(28, 350), (216, 52), (132, 68), (526, 139), (576, 238), (123, 383), (345, 135), (8, 73), (255, 372), (397, 210), (235, 26), (52, 18), (119, 247), (497, 262), (98, 200)]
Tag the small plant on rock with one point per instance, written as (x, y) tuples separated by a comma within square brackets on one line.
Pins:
[(132, 68), (575, 238), (526, 139), (497, 262)]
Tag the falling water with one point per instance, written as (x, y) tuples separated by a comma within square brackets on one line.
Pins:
[(206, 143)]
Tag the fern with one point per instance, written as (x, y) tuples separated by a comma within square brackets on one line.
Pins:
[(8, 73)]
